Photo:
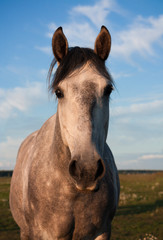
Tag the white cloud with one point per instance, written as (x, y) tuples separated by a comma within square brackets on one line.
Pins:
[(97, 13), (52, 26), (46, 50), (80, 32), (20, 99), (14, 69), (9, 149), (120, 75), (151, 156), (139, 38), (43, 73), (136, 128), (76, 33), (145, 161), (147, 108)]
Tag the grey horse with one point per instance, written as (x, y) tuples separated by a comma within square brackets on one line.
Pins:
[(65, 183)]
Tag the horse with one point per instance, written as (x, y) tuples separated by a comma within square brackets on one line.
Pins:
[(65, 184)]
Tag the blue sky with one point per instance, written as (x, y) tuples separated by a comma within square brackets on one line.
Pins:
[(135, 62)]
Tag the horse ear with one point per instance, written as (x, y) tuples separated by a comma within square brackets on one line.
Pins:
[(103, 43), (59, 44)]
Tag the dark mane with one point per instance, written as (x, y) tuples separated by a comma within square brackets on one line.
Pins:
[(76, 58)]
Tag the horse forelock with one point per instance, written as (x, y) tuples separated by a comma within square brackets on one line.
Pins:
[(76, 59)]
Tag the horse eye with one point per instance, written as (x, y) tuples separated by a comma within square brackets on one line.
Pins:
[(59, 93), (108, 90)]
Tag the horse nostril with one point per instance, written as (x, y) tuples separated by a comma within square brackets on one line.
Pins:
[(74, 170), (86, 177), (100, 169)]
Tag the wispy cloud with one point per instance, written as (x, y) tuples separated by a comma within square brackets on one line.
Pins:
[(144, 161), (81, 31), (43, 73), (151, 156), (136, 128), (120, 75), (97, 13), (9, 148), (9, 143), (77, 34), (20, 99), (139, 38), (47, 50), (147, 108)]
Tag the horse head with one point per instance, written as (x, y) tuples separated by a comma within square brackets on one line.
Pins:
[(83, 87)]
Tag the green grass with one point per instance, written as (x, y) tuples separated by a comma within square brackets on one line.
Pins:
[(8, 228), (140, 211)]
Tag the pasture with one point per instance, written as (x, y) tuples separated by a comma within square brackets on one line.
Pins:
[(139, 216)]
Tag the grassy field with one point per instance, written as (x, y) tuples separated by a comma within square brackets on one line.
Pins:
[(139, 217)]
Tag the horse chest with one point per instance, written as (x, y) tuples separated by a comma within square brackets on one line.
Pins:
[(50, 209), (57, 209)]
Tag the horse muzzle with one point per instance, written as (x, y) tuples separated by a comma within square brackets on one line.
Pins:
[(86, 175)]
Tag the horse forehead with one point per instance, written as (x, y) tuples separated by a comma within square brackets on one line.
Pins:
[(85, 80), (90, 78)]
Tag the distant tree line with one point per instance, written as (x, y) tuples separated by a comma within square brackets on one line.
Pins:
[(138, 171), (8, 173)]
